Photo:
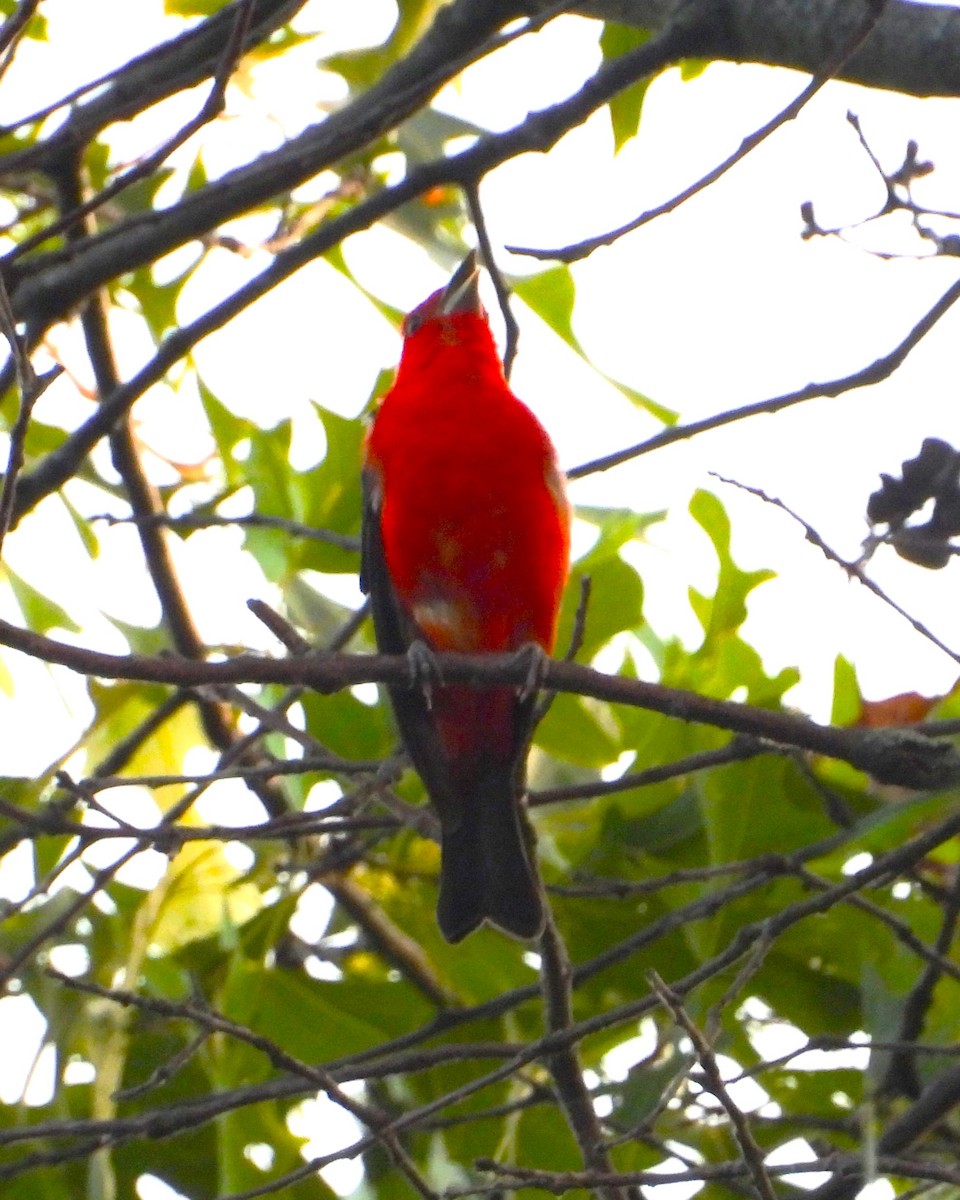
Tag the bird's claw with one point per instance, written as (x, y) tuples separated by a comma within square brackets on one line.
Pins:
[(537, 662), (424, 669)]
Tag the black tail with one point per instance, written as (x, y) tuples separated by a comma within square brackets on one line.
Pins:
[(486, 873)]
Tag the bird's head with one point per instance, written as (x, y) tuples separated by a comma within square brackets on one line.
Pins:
[(461, 295)]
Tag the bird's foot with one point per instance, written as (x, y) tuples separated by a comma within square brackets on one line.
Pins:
[(537, 662), (424, 669)]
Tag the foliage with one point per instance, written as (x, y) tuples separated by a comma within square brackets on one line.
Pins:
[(228, 906)]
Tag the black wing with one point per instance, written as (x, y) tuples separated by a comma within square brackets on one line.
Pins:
[(396, 631)]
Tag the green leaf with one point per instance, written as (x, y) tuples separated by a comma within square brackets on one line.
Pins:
[(424, 136), (42, 440), (691, 68), (120, 709), (616, 595), (361, 68), (580, 730), (36, 26), (83, 527), (726, 610), (157, 301), (349, 727), (330, 493), (310, 610), (278, 43), (141, 639), (551, 295), (229, 431), (644, 1087), (324, 1020), (626, 106), (667, 416), (335, 257), (140, 195), (197, 175), (617, 526), (662, 830), (193, 8), (267, 470), (742, 820), (39, 612), (616, 604), (846, 693)]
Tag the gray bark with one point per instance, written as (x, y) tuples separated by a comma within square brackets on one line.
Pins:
[(915, 48)]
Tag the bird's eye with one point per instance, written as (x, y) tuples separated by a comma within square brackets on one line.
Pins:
[(412, 323)]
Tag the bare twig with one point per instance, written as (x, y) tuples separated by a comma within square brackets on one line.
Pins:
[(279, 626), (569, 254), (205, 1109), (901, 1075), (751, 1152), (165, 1071), (853, 569), (488, 259), (875, 372), (579, 631), (736, 750), (344, 541)]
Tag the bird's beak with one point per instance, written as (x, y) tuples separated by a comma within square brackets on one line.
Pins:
[(462, 293)]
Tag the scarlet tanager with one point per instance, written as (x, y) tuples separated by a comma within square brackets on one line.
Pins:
[(465, 548)]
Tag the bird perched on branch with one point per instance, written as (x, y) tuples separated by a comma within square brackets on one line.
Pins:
[(465, 548)]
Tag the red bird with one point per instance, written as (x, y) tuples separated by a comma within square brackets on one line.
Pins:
[(466, 538)]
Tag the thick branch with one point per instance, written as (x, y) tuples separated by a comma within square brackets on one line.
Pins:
[(899, 756), (915, 48)]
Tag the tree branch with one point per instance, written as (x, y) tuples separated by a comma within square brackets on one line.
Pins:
[(902, 756), (915, 48), (875, 372)]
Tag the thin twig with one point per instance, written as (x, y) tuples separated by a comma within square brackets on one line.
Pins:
[(376, 1121), (853, 569), (737, 749), (343, 541), (875, 372), (569, 254), (894, 861), (901, 1075), (751, 1152), (165, 1071), (579, 631), (487, 257)]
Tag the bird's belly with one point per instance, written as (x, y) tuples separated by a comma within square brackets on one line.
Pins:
[(478, 561)]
